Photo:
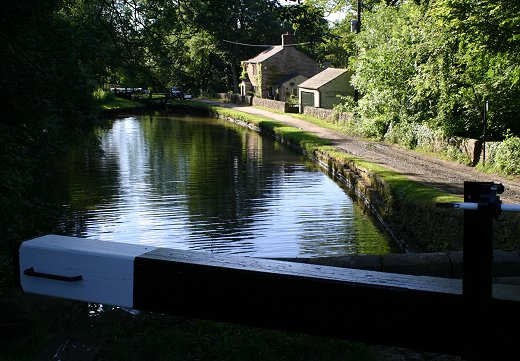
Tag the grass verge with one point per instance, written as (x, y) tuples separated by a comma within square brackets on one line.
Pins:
[(320, 122), (113, 103), (404, 189)]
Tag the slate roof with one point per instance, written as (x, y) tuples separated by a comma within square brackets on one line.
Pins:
[(265, 54), (322, 78), (286, 78)]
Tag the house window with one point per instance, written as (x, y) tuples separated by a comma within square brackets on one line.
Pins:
[(254, 69)]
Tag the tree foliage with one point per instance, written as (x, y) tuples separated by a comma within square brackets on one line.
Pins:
[(488, 41), (63, 50), (437, 62)]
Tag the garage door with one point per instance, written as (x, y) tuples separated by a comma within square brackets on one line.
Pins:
[(307, 99)]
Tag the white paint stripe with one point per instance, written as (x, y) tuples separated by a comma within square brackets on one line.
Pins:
[(107, 268), (468, 206)]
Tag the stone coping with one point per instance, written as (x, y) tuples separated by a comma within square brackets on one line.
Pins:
[(506, 264)]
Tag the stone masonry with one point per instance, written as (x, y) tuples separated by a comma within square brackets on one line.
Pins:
[(276, 63)]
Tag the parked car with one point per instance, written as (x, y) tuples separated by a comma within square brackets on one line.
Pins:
[(177, 93), (126, 90)]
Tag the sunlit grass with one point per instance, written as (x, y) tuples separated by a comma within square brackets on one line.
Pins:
[(320, 122), (403, 188)]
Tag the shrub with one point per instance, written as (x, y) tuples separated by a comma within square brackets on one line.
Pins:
[(292, 100), (402, 133), (507, 156), (103, 95)]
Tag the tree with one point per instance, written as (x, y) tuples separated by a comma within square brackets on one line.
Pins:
[(338, 47), (385, 66), (46, 95), (488, 39)]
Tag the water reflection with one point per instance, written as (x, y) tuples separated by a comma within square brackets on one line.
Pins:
[(206, 184)]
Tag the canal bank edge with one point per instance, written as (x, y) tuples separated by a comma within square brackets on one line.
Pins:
[(405, 208)]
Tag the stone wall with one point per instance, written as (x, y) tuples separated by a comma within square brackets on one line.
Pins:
[(261, 102), (463, 150), (436, 264), (235, 98), (470, 148), (415, 135), (328, 115), (272, 104), (291, 60)]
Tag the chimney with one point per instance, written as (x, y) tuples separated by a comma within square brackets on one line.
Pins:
[(288, 39)]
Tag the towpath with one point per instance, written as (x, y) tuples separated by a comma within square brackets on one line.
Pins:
[(438, 173)]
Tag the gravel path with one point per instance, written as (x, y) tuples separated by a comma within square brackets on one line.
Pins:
[(445, 175)]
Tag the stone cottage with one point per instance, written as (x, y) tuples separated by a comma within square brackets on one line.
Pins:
[(276, 72)]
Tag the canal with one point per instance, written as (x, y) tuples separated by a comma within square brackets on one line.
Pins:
[(207, 184)]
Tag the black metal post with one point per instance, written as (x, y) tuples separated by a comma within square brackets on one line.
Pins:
[(477, 279), (358, 30), (359, 4), (484, 132), (478, 241)]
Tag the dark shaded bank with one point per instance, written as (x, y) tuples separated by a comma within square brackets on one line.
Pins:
[(159, 106), (44, 328)]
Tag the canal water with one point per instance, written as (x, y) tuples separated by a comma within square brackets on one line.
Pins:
[(207, 184)]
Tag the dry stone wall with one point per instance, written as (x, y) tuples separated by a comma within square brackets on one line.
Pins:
[(328, 115), (272, 104), (235, 98)]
